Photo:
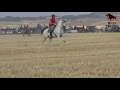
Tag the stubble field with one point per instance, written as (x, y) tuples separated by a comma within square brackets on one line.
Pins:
[(84, 55)]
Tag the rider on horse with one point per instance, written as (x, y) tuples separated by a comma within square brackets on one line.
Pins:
[(52, 25)]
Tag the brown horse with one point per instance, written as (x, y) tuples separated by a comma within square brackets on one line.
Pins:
[(111, 17)]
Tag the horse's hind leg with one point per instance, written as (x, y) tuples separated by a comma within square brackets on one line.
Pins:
[(50, 40), (23, 33), (29, 35), (44, 40)]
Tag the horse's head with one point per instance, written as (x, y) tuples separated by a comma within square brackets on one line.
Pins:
[(64, 22), (107, 15)]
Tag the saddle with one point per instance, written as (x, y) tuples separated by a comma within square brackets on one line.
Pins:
[(52, 30)]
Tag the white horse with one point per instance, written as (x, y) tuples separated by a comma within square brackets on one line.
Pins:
[(58, 32)]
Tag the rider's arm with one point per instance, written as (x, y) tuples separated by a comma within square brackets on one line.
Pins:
[(51, 21)]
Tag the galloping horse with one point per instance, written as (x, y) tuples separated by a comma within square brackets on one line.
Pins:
[(111, 17), (58, 32)]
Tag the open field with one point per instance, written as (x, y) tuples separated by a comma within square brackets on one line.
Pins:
[(84, 55)]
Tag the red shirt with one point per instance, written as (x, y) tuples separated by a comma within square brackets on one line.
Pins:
[(52, 20)]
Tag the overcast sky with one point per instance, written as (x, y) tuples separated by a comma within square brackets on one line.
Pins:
[(36, 14)]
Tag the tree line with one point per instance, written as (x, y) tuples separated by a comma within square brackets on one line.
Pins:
[(70, 17), (10, 18)]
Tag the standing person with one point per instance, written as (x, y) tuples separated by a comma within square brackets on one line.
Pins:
[(24, 28), (27, 27), (28, 30), (52, 23), (6, 30)]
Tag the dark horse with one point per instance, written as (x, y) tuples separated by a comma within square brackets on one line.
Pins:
[(26, 31), (111, 17), (42, 29)]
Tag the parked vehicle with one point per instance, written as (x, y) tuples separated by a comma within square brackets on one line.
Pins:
[(91, 29)]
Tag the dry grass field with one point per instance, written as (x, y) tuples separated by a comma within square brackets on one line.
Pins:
[(84, 55)]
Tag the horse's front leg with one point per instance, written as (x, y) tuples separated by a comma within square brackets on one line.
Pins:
[(64, 40), (59, 38)]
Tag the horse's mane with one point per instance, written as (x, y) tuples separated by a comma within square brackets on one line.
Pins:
[(110, 15)]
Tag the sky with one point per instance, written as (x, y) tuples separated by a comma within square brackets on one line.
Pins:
[(36, 14)]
